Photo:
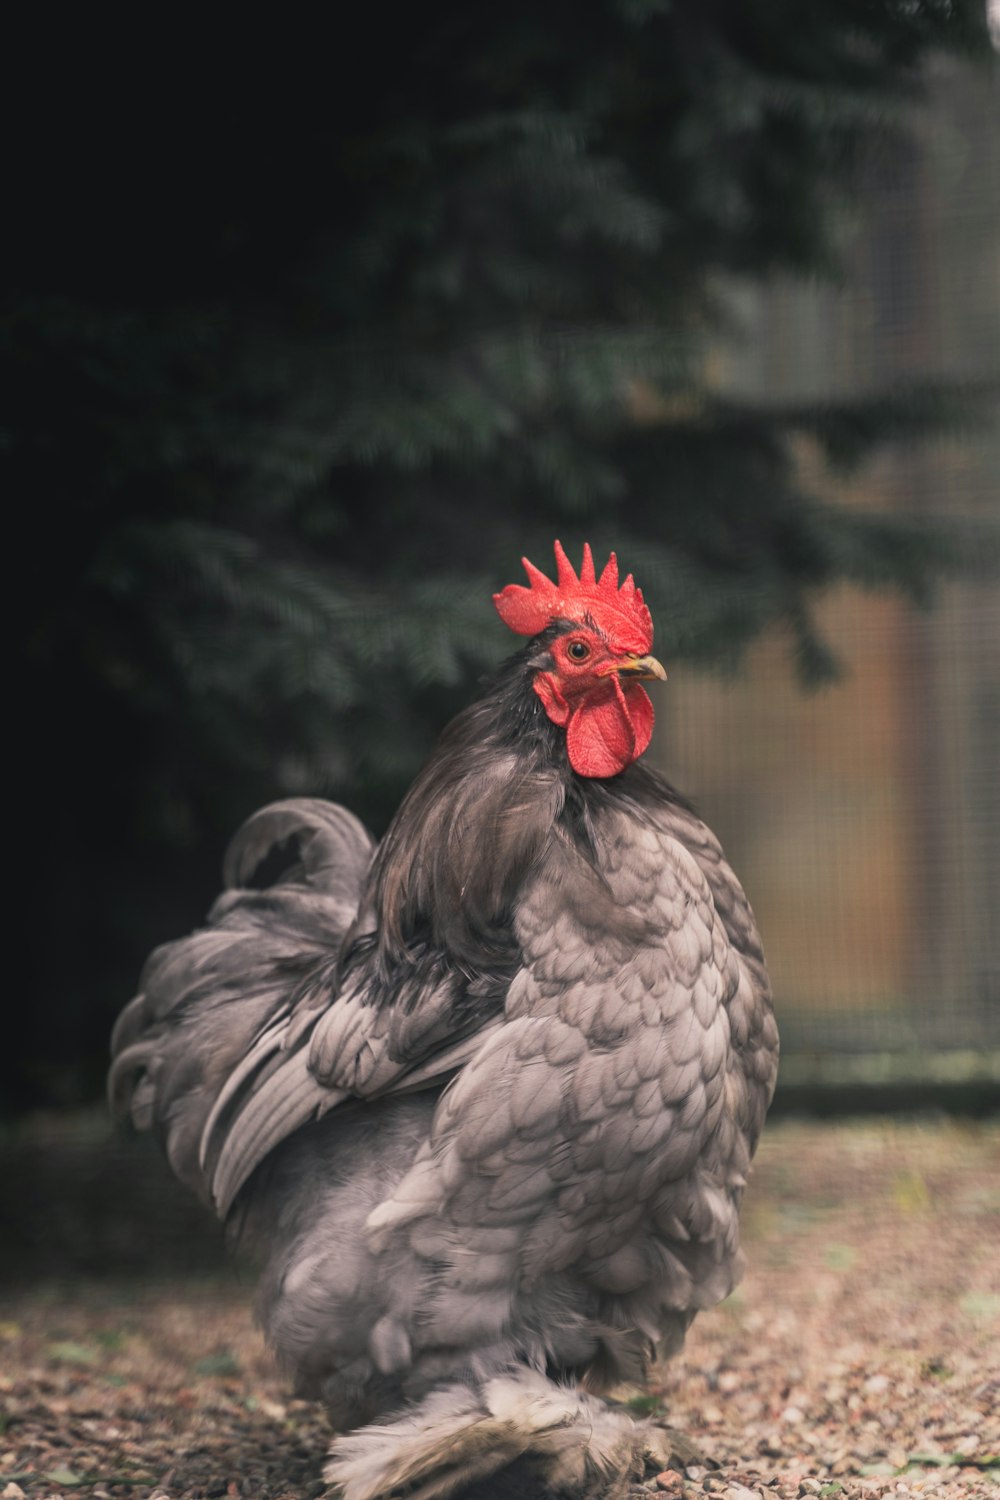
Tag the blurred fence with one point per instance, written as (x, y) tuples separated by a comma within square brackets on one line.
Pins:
[(865, 820), (865, 823)]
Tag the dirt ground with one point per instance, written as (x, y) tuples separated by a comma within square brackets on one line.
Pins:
[(860, 1357)]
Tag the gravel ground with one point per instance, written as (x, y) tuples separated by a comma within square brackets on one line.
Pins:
[(858, 1359)]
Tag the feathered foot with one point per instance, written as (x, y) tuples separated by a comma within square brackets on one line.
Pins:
[(461, 1434)]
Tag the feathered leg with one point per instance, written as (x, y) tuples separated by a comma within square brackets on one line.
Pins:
[(464, 1433)]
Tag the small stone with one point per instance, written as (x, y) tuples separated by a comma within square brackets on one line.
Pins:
[(695, 1472), (670, 1481), (876, 1383), (12, 1492), (967, 1444), (274, 1409), (810, 1486), (793, 1414), (740, 1492)]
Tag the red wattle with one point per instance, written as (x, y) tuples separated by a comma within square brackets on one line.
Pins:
[(605, 732)]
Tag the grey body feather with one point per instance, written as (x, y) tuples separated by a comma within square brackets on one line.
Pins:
[(485, 1097)]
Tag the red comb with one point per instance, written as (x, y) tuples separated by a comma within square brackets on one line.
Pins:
[(618, 611)]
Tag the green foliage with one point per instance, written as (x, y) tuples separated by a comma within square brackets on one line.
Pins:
[(299, 373)]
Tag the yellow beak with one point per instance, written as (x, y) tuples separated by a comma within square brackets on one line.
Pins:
[(641, 666)]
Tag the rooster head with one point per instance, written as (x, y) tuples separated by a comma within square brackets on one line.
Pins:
[(589, 681)]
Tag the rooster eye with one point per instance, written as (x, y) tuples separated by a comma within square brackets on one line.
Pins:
[(578, 650)]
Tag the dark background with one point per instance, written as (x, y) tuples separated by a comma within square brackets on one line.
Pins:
[(305, 343)]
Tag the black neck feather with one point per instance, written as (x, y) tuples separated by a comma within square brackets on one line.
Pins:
[(477, 819)]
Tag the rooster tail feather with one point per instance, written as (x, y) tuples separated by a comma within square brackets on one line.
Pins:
[(293, 876)]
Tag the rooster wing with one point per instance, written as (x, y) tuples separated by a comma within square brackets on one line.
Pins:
[(606, 1128)]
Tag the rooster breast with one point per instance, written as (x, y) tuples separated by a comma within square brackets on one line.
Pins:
[(573, 1195)]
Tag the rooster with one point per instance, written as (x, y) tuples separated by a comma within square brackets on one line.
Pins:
[(485, 1094)]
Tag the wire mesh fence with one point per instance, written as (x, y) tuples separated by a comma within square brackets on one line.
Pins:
[(865, 819)]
